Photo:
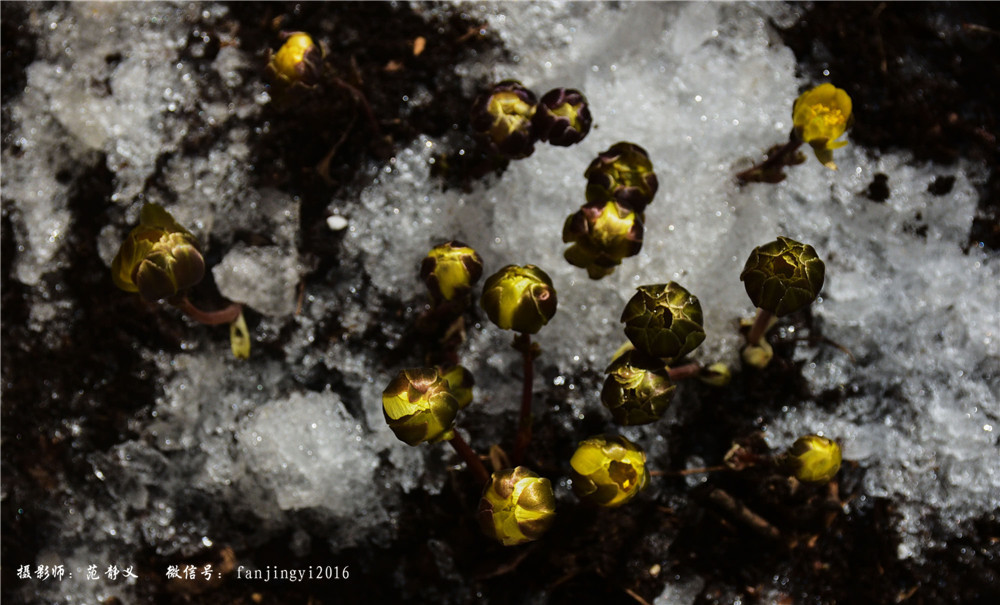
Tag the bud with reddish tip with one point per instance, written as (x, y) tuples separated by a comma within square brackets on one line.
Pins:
[(602, 235), (563, 117), (419, 406), (517, 506), (450, 270), (504, 117), (622, 173), (522, 299), (608, 470)]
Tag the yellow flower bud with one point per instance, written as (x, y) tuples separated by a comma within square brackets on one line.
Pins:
[(758, 355), (522, 299), (517, 506), (716, 375), (608, 470), (460, 383), (418, 406), (298, 61), (451, 269), (812, 459), (821, 115), (602, 235), (159, 258)]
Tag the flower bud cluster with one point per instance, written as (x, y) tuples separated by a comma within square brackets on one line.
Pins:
[(609, 227), (510, 119)]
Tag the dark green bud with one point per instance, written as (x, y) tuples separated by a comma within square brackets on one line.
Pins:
[(450, 270), (503, 116), (783, 276), (664, 320), (637, 389), (602, 235), (517, 506), (622, 173), (522, 299), (419, 406), (563, 117)]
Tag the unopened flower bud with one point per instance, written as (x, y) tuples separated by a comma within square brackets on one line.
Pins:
[(460, 383), (812, 459), (820, 116), (664, 320), (522, 299), (716, 375), (608, 470), (783, 276), (517, 506), (159, 258), (623, 173), (637, 389), (504, 116), (758, 355), (563, 117), (602, 235), (418, 406), (298, 61), (450, 270)]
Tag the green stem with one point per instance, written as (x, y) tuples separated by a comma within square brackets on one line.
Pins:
[(471, 458), (209, 318)]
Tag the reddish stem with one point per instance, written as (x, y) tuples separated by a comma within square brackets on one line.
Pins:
[(760, 325), (774, 160), (524, 425), (688, 370), (471, 458), (209, 318)]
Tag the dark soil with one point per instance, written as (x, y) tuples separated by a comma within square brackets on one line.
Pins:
[(923, 78)]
